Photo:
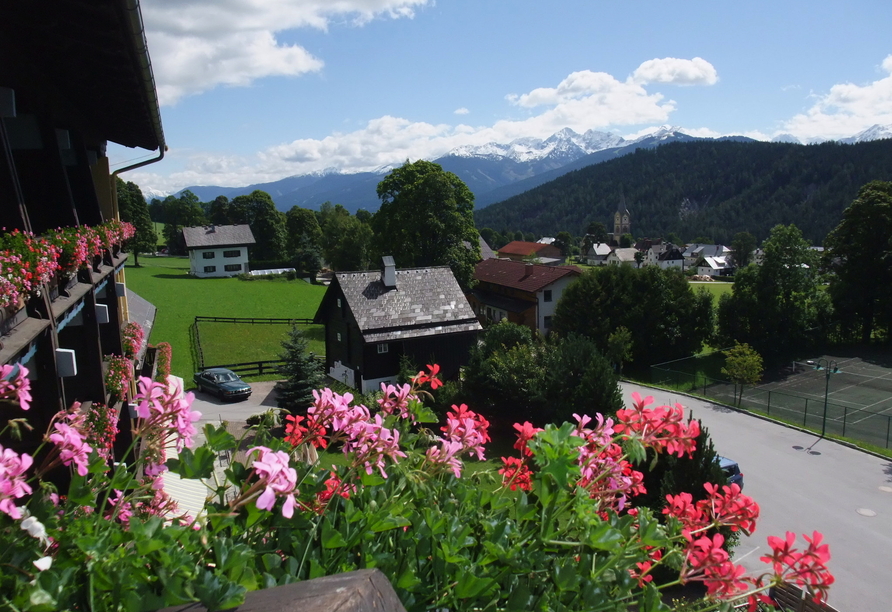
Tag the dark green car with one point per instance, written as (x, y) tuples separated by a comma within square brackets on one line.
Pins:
[(223, 383)]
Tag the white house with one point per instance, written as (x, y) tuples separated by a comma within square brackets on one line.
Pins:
[(597, 254), (714, 266), (622, 256), (218, 250)]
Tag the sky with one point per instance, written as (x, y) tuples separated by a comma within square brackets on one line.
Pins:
[(253, 91)]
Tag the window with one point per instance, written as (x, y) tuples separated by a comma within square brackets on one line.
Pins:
[(383, 348), (235, 253), (547, 323), (208, 254), (547, 296), (209, 269), (233, 267), (339, 336)]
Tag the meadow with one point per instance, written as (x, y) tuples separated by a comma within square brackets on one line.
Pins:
[(179, 298)]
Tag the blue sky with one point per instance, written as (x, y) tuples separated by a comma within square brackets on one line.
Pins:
[(257, 90)]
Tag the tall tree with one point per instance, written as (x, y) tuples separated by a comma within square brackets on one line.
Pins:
[(778, 306), (427, 219), (304, 239), (859, 250), (346, 241), (180, 212), (564, 241), (742, 247), (218, 211), (133, 208), (267, 224), (666, 318)]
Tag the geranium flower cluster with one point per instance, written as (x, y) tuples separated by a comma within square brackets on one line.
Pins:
[(70, 442), (276, 478), (13, 484), (162, 359), (101, 429), (15, 385), (132, 336), (26, 262), (165, 414), (465, 432), (118, 375), (660, 428)]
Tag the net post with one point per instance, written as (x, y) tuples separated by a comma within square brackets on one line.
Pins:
[(888, 422), (768, 407), (845, 413), (805, 412)]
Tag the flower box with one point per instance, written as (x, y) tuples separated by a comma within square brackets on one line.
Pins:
[(11, 317)]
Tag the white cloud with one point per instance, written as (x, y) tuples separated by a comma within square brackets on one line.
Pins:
[(676, 71), (197, 45), (461, 111), (845, 110)]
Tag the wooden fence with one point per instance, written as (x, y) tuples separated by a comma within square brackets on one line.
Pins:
[(250, 368)]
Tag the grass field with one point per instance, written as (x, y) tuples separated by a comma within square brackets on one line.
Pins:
[(224, 343), (179, 297), (716, 289)]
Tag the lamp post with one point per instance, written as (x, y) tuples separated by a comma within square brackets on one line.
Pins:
[(829, 367)]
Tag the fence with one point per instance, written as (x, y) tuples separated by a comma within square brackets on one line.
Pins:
[(250, 368), (269, 365), (816, 414)]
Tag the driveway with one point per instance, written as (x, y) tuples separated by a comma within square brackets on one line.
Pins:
[(805, 484), (213, 410)]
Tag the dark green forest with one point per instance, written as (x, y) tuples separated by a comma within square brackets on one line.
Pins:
[(705, 188)]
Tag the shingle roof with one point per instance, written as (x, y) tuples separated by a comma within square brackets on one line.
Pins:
[(625, 254), (217, 236), (521, 275), (425, 302), (519, 247)]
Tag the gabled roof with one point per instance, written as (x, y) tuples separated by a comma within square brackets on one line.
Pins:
[(486, 251), (625, 254), (210, 236), (705, 250), (521, 275), (599, 249), (425, 302), (714, 263), (518, 247)]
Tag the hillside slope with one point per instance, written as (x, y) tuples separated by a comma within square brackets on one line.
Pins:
[(704, 188)]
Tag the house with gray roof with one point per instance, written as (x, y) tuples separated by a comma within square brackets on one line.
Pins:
[(374, 318), (218, 250)]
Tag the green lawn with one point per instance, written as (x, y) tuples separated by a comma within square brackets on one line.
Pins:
[(223, 343), (165, 282), (717, 289)]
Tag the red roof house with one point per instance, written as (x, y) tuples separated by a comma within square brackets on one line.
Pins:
[(523, 293), (519, 250)]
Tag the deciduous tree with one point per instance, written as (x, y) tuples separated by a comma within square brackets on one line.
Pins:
[(859, 251), (743, 366), (133, 208), (427, 219), (742, 247)]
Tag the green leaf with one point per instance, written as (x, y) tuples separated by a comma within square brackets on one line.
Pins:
[(193, 464), (271, 561), (372, 480), (390, 522), (218, 439), (423, 414), (565, 577), (331, 537), (470, 585), (79, 492), (604, 537)]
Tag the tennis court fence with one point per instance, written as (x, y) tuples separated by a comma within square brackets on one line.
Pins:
[(816, 414)]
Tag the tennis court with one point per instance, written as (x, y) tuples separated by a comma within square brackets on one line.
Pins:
[(858, 401)]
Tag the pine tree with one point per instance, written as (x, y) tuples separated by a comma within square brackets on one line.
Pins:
[(303, 373)]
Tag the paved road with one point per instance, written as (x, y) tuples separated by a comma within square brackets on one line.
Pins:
[(803, 484), (213, 410)]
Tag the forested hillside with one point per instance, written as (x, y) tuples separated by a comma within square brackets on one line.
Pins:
[(703, 189)]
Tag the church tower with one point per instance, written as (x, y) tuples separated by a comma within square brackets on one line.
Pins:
[(622, 220)]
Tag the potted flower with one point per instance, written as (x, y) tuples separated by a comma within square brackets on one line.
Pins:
[(118, 375), (26, 262), (131, 339)]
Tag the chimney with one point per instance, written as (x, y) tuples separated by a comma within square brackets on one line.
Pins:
[(211, 228), (388, 272), (527, 270)]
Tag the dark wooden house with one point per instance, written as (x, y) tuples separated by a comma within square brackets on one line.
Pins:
[(73, 76), (373, 318)]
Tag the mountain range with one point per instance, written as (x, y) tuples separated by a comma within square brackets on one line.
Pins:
[(494, 172)]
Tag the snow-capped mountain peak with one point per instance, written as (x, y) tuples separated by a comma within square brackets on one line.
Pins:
[(564, 144), (874, 132)]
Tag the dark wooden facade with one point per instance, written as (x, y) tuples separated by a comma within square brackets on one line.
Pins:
[(73, 76)]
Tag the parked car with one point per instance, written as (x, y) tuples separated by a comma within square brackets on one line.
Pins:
[(223, 383), (732, 471)]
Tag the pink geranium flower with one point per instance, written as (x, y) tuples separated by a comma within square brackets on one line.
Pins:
[(72, 447), (12, 480), (277, 479)]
